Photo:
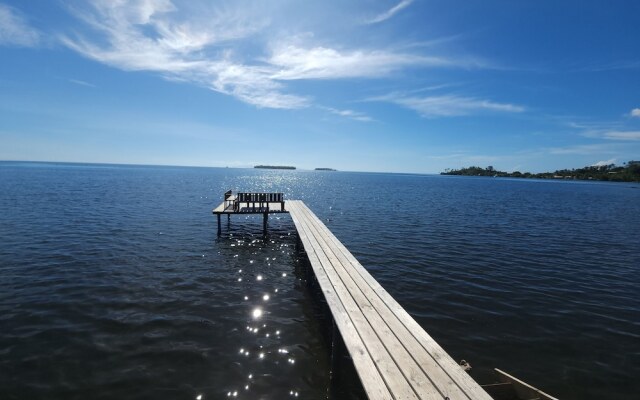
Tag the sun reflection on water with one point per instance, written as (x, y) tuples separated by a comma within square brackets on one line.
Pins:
[(261, 345)]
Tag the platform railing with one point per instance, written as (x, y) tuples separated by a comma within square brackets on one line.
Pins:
[(261, 199)]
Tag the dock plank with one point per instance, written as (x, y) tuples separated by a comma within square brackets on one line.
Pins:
[(384, 361), (406, 358), (443, 362), (421, 371), (412, 374), (368, 373)]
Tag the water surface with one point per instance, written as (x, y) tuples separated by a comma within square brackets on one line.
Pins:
[(113, 283)]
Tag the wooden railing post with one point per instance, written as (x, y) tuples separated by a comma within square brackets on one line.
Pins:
[(265, 218)]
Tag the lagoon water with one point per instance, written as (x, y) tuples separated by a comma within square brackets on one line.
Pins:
[(113, 283)]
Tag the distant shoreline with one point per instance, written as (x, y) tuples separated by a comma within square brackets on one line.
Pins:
[(274, 167), (629, 172), (614, 177)]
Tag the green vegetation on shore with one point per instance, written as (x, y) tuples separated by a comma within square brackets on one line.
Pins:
[(628, 172)]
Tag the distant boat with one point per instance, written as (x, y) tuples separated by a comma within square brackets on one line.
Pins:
[(325, 169)]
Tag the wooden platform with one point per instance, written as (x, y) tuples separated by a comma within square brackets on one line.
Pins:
[(394, 357), (227, 207), (246, 208), (250, 203)]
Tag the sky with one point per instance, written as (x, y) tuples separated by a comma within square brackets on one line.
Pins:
[(387, 85)]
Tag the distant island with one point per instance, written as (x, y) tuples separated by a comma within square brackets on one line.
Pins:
[(628, 172), (325, 169), (274, 167)]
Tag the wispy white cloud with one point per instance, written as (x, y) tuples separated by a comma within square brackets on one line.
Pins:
[(621, 135), (448, 105), (149, 36), (203, 48), (635, 112), (250, 84), (608, 137), (135, 36), (82, 83), (613, 131), (611, 66), (358, 116), (603, 163), (327, 63), (391, 12), (14, 29), (584, 149)]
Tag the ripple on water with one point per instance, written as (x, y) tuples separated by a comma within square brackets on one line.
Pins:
[(114, 285)]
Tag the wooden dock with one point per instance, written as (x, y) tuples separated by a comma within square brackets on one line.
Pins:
[(394, 357), (250, 203)]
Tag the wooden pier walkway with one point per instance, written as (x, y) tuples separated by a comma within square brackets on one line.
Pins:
[(394, 357)]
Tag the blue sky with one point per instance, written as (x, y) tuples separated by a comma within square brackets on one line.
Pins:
[(397, 86)]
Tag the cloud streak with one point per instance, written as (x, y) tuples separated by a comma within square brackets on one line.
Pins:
[(585, 149), (604, 163), (448, 105), (355, 115), (149, 36), (391, 12), (14, 29), (154, 35), (81, 83), (635, 113), (621, 135), (611, 132), (327, 63)]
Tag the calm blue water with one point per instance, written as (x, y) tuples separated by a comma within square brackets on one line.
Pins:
[(113, 283)]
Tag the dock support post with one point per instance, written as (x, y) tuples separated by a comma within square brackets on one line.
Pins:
[(219, 228), (265, 218), (298, 241), (334, 373)]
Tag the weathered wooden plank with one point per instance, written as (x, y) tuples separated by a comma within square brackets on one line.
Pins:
[(412, 373), (437, 382), (370, 377), (385, 363), (457, 374), (442, 370), (523, 389)]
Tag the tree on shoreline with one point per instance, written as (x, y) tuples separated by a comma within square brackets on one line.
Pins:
[(628, 172)]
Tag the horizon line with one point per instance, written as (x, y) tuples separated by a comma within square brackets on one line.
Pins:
[(200, 166)]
